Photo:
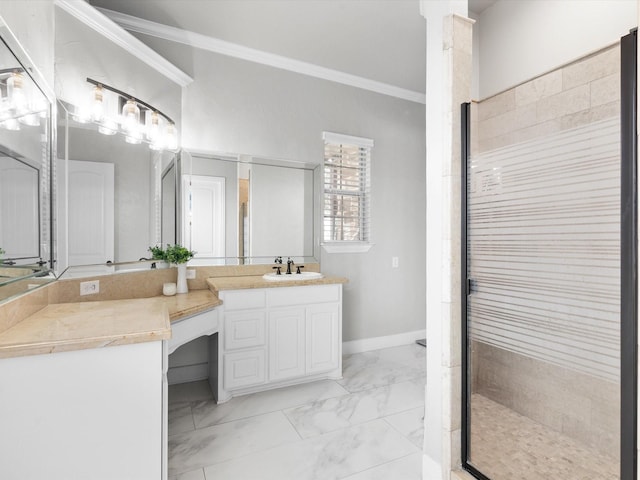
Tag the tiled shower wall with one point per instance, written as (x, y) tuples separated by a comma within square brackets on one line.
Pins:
[(577, 404), (582, 92)]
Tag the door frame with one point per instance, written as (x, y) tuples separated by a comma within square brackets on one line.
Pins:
[(628, 269), (629, 259)]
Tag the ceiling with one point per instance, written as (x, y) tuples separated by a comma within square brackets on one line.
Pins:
[(381, 40)]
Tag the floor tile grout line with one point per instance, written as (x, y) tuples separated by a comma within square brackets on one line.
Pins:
[(265, 412)]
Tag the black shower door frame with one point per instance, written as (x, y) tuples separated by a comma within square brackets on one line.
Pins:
[(628, 270)]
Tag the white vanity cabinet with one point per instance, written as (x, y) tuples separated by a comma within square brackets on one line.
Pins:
[(98, 413), (279, 336)]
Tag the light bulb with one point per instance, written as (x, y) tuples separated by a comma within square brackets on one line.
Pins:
[(130, 116), (97, 106), (171, 137), (15, 92)]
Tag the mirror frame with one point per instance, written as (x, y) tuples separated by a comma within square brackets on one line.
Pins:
[(14, 287), (315, 168)]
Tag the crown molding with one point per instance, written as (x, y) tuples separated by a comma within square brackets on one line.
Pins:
[(204, 42), (106, 27)]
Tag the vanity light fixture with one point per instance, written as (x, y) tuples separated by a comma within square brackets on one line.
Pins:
[(20, 103), (115, 111)]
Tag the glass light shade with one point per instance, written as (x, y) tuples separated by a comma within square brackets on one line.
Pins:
[(97, 104), (82, 114), (108, 127), (16, 92), (130, 116), (152, 120), (133, 136), (171, 137)]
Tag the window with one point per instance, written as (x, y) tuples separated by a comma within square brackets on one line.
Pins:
[(346, 209)]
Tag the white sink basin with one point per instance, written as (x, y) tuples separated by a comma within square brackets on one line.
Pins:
[(274, 277)]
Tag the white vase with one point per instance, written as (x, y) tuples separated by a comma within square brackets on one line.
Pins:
[(182, 278)]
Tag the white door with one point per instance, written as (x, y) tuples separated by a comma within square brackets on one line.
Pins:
[(19, 211), (90, 212), (203, 218)]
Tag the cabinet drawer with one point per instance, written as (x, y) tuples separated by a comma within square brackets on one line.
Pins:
[(244, 329), (243, 299), (280, 297), (243, 369)]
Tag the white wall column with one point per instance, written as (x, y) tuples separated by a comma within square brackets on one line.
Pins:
[(448, 85)]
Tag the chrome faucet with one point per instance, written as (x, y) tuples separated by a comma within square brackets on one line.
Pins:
[(278, 262)]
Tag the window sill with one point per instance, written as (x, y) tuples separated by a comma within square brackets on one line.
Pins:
[(347, 247)]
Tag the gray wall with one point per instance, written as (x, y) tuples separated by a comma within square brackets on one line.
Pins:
[(80, 52), (238, 106), (32, 24)]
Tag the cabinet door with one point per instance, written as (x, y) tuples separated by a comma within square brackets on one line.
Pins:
[(244, 329), (244, 368), (286, 343), (323, 337)]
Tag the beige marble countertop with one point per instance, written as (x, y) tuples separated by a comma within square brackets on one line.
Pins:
[(75, 326), (185, 305), (250, 281)]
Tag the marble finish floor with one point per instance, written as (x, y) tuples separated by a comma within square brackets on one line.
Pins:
[(366, 426), (506, 446)]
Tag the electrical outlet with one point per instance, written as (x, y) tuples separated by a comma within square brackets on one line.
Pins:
[(394, 262), (90, 287), (191, 273)]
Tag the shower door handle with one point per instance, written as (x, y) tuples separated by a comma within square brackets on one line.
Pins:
[(472, 286)]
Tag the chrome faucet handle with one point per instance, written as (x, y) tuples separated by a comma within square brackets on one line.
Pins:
[(289, 263)]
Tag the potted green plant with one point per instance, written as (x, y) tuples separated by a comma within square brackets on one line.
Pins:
[(157, 253), (179, 255)]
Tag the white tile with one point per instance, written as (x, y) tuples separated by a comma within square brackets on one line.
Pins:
[(405, 468), (382, 367), (209, 413), (328, 457), (410, 424), (340, 412), (180, 418), (207, 446)]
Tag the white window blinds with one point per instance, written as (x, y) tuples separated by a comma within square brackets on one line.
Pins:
[(346, 206)]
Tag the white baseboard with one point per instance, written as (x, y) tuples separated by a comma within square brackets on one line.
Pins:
[(376, 343), (189, 373)]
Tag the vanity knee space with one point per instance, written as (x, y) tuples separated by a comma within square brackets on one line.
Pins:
[(279, 336)]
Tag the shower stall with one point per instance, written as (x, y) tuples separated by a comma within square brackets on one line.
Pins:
[(549, 283)]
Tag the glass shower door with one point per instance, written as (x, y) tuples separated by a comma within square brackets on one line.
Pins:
[(543, 306)]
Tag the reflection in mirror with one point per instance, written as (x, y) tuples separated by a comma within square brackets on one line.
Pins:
[(168, 214), (113, 213), (245, 209), (25, 183)]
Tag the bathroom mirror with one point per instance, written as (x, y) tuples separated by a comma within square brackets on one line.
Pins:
[(114, 210), (25, 175), (240, 209)]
